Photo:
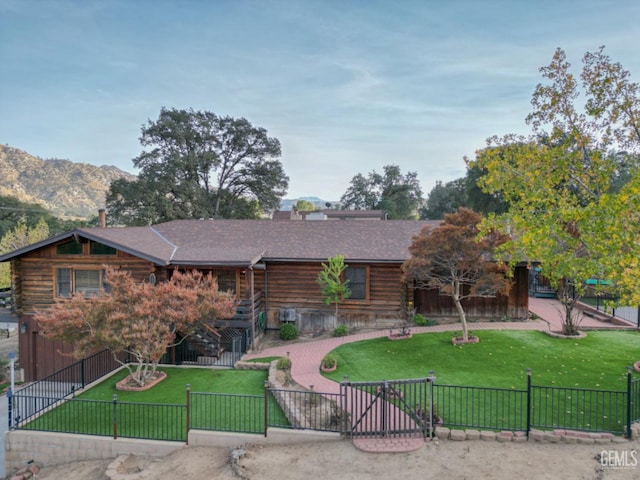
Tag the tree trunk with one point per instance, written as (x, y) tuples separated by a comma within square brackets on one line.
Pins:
[(461, 313), (568, 299)]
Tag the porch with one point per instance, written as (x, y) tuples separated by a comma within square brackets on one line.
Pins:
[(223, 342)]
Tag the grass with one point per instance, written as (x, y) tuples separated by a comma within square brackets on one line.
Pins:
[(173, 388), (220, 400), (501, 359)]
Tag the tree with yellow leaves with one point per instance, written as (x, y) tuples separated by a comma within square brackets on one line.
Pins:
[(573, 186)]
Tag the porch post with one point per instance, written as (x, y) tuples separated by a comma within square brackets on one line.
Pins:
[(253, 307)]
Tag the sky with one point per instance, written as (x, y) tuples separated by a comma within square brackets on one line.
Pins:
[(346, 86)]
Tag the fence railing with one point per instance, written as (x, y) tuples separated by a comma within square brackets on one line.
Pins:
[(536, 406), (31, 399), (480, 407)]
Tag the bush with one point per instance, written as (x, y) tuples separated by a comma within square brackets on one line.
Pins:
[(419, 320), (284, 363), (340, 331), (288, 332), (329, 361)]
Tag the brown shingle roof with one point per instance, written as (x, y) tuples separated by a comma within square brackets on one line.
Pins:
[(243, 242)]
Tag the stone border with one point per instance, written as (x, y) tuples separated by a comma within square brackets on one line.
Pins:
[(553, 436), (123, 387), (470, 340), (580, 335)]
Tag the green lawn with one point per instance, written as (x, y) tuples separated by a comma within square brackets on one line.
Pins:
[(221, 400), (173, 388), (501, 359)]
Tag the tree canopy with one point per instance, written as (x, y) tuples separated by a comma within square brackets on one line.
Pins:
[(462, 192), (397, 194), (304, 206), (573, 186), (453, 259), (200, 165), (138, 318)]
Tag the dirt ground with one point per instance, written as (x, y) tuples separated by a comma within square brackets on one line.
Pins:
[(340, 460)]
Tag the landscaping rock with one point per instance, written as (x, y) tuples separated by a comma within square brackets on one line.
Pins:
[(487, 435), (472, 434), (443, 433), (458, 435)]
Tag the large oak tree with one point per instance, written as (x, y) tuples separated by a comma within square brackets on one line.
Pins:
[(197, 164), (400, 196)]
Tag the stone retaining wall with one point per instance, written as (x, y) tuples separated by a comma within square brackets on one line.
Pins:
[(553, 436)]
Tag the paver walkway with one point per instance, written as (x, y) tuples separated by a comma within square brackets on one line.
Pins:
[(307, 356)]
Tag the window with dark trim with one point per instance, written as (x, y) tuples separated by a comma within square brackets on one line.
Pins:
[(357, 277), (69, 248), (86, 282), (102, 249), (227, 281)]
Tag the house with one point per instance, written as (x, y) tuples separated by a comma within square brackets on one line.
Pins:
[(272, 266)]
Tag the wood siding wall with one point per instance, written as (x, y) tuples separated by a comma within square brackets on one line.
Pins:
[(34, 277), (295, 286), (514, 306)]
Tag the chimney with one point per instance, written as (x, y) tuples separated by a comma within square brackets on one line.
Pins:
[(102, 218)]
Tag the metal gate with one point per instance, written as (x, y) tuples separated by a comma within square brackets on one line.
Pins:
[(390, 408)]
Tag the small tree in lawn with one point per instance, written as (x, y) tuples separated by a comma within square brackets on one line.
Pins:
[(454, 260), (137, 318), (335, 288)]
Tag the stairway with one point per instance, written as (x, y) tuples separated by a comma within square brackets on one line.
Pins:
[(207, 341)]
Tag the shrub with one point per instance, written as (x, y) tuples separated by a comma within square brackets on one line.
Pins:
[(329, 361), (284, 363), (423, 412), (288, 332), (419, 320), (340, 331)]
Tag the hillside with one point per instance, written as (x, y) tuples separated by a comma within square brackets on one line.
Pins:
[(67, 189)]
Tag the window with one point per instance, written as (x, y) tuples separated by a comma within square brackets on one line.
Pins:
[(357, 277), (101, 249), (87, 282), (227, 280), (69, 248)]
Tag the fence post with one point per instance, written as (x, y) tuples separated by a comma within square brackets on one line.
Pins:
[(528, 401), (10, 408), (431, 379), (343, 398), (115, 418), (629, 402), (266, 406), (188, 411), (82, 373)]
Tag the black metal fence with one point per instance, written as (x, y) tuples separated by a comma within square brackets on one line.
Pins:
[(31, 399), (480, 407), (401, 407), (610, 306)]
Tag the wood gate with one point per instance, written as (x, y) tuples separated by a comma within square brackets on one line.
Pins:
[(389, 408)]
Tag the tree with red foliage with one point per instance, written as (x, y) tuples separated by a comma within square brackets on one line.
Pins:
[(452, 258), (137, 318)]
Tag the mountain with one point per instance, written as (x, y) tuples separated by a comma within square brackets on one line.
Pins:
[(67, 189)]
